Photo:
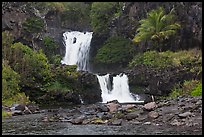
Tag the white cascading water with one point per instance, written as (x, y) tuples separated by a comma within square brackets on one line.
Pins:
[(77, 53), (120, 90), (77, 49)]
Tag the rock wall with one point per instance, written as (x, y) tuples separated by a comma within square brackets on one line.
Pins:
[(147, 80), (189, 14)]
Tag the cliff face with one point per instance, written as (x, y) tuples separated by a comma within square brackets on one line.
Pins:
[(189, 14)]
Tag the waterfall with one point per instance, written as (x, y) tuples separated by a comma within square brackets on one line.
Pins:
[(77, 49), (77, 53), (120, 90)]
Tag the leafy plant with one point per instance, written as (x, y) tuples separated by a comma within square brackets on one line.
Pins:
[(190, 87), (152, 58), (169, 58), (197, 91), (157, 27), (33, 25), (10, 81), (31, 65), (50, 48)]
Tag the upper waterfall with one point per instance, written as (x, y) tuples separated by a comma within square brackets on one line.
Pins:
[(77, 49)]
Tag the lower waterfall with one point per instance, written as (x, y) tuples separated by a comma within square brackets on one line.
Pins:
[(120, 89)]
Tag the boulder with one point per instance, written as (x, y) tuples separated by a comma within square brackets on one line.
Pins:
[(185, 114), (113, 107), (150, 106), (153, 114)]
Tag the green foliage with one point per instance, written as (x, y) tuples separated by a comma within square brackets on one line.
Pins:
[(33, 25), (31, 65), (75, 13), (5, 114), (157, 27), (50, 48), (10, 81), (168, 58), (49, 43), (197, 91), (57, 86), (56, 59), (191, 87), (65, 78), (102, 14), (115, 50), (152, 58), (18, 98)]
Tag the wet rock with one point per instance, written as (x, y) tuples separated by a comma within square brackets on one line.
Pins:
[(107, 116), (142, 117), (16, 112), (184, 115), (33, 107), (116, 122), (78, 120), (20, 107), (112, 107), (199, 102), (45, 119), (86, 121), (103, 108), (128, 106), (150, 106), (153, 114), (175, 122), (147, 123), (135, 121), (132, 115), (100, 115), (167, 117), (27, 111)]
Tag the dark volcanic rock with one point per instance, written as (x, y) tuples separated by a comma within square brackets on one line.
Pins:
[(91, 92), (144, 79)]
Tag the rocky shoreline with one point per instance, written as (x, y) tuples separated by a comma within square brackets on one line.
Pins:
[(183, 111), (179, 112)]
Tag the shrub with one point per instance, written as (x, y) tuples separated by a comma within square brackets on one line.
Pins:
[(6, 114), (65, 77), (31, 65), (152, 58), (190, 87), (115, 50), (168, 58), (197, 91), (50, 48), (10, 81), (33, 25), (58, 86)]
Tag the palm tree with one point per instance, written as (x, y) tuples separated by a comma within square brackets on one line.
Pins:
[(157, 27)]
